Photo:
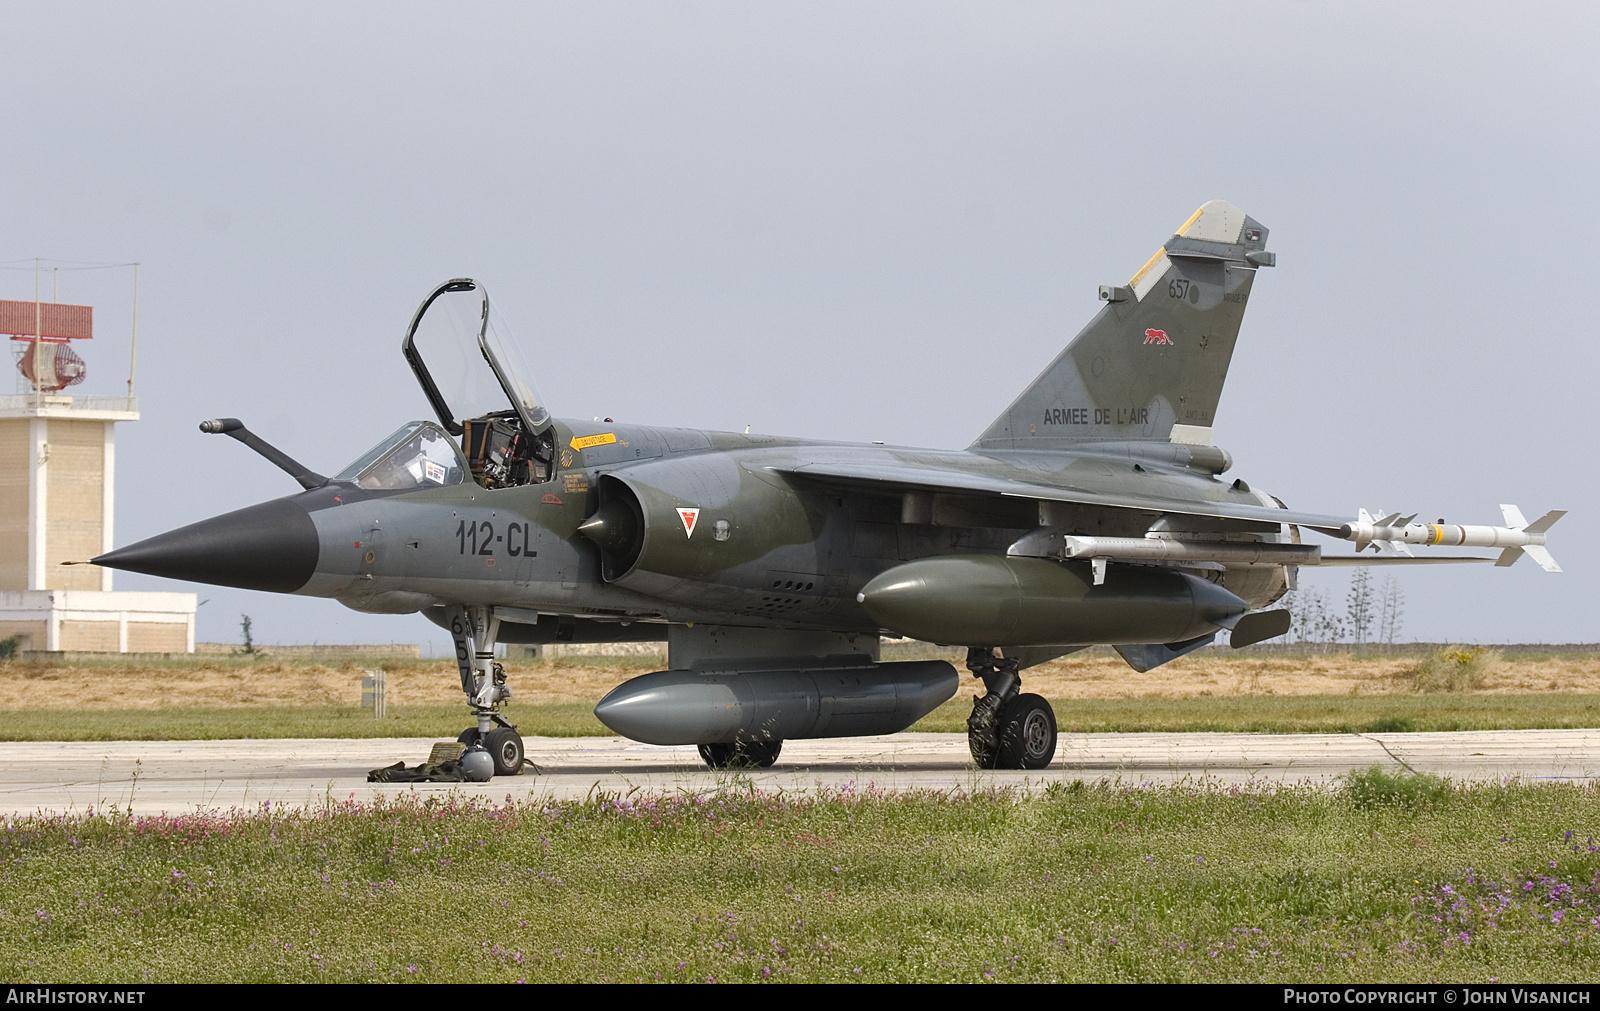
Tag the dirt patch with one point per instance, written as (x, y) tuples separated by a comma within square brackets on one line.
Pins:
[(45, 686), (32, 685)]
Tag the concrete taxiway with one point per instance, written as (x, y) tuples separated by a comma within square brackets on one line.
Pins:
[(176, 776)]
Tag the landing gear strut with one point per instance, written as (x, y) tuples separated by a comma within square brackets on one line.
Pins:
[(1007, 729), (494, 746)]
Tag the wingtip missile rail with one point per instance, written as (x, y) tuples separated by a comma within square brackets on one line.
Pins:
[(1517, 538)]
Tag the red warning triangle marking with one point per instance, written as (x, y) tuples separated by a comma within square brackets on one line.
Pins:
[(689, 516)]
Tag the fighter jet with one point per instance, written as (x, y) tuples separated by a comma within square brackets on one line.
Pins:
[(1093, 510)]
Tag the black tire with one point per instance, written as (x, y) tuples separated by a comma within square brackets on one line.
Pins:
[(741, 755), (468, 737), (505, 747), (1027, 734), (982, 736)]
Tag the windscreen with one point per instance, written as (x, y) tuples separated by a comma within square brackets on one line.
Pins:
[(419, 455)]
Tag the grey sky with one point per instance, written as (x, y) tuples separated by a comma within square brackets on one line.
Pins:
[(842, 221)]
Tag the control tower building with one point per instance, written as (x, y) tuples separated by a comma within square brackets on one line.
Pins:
[(57, 455)]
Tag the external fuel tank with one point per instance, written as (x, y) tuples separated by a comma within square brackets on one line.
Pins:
[(688, 707), (987, 600)]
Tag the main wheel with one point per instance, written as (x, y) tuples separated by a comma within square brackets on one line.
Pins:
[(1027, 737), (505, 747), (982, 735), (741, 754)]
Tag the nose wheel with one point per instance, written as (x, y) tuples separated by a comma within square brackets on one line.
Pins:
[(503, 744), (1007, 729)]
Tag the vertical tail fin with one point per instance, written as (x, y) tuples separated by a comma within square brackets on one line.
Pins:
[(1150, 366)]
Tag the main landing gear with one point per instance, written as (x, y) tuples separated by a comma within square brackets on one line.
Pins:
[(494, 748), (741, 754), (1007, 729)]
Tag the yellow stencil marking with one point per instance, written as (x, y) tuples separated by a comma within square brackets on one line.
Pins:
[(593, 440), (1148, 264)]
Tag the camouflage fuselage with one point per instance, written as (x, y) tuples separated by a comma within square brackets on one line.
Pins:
[(735, 532)]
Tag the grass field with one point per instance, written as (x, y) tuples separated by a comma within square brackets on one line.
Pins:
[(1304, 714), (1387, 880), (549, 719), (1274, 691)]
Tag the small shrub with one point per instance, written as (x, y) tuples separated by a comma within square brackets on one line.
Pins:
[(1391, 725), (1455, 669), (1376, 787), (8, 647)]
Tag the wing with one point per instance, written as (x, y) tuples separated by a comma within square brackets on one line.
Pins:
[(890, 477), (1390, 534)]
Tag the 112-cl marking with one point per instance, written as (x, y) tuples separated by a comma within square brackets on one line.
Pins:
[(479, 538)]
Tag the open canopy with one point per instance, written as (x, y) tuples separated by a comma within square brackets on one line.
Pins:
[(466, 362)]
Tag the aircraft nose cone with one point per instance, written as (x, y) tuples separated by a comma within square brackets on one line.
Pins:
[(272, 546)]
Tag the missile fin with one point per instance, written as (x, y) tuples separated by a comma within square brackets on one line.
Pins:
[(1508, 557), (1546, 521), (1364, 522), (1540, 554), (1513, 515), (1392, 547), (1381, 519)]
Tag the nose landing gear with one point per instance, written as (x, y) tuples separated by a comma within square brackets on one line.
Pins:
[(483, 682), (1007, 729)]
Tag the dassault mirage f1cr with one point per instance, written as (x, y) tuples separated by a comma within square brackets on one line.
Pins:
[(1092, 511)]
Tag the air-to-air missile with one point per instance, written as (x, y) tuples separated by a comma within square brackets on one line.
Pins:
[(1517, 537), (1092, 511)]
